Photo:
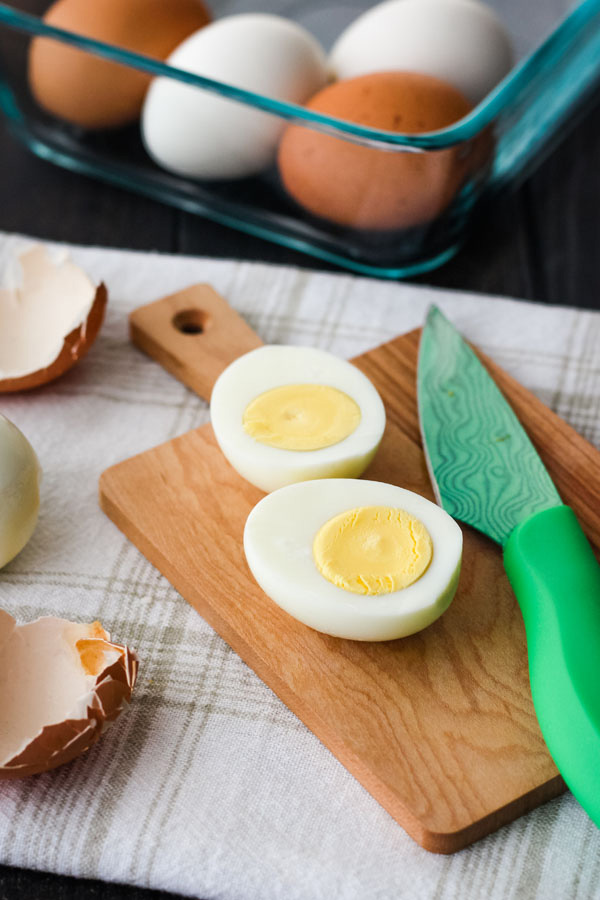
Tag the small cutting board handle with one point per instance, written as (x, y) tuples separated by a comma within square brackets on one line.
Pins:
[(194, 334)]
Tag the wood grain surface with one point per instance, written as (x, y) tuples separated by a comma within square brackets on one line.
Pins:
[(168, 330), (439, 727)]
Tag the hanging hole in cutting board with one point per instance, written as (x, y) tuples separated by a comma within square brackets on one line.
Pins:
[(191, 321)]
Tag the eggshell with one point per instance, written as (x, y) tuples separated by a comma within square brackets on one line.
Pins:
[(272, 366), (370, 188), (462, 42), (201, 135), (50, 319), (278, 543), (20, 476), (89, 91), (68, 683)]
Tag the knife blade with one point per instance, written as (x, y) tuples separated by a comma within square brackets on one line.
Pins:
[(486, 472)]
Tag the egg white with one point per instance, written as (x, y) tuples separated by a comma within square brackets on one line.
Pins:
[(270, 468), (278, 540)]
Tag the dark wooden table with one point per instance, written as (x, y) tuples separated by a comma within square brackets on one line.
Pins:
[(539, 243)]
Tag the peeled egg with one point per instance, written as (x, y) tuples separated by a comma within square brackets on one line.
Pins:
[(459, 41), (284, 414), (355, 559), (201, 135), (51, 315), (92, 92), (20, 476), (67, 681), (375, 188)]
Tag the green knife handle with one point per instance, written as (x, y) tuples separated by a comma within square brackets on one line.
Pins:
[(556, 579)]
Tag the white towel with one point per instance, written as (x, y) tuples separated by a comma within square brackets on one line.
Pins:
[(208, 785)]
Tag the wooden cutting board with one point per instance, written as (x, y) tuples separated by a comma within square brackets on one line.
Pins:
[(438, 727)]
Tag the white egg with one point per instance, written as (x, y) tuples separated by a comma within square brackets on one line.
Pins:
[(459, 41), (267, 368), (278, 542), (20, 476), (201, 135)]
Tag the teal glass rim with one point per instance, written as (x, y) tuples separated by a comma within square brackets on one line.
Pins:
[(506, 92)]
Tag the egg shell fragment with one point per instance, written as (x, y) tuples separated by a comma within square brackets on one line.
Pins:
[(67, 682), (198, 134), (49, 320), (462, 42), (20, 476), (268, 367), (278, 539)]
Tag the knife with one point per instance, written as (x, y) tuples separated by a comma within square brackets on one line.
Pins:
[(486, 473)]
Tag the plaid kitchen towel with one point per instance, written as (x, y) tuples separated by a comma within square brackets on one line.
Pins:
[(208, 785)]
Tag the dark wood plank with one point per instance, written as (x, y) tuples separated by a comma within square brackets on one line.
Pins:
[(46, 201), (563, 200), (27, 885)]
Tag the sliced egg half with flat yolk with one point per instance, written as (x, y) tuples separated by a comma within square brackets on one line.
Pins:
[(362, 560), (284, 414)]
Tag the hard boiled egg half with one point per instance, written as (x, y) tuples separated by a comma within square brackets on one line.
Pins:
[(362, 560), (283, 414)]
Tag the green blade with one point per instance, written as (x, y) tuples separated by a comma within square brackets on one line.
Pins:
[(484, 469)]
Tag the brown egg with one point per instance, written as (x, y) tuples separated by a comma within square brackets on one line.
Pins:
[(94, 93), (369, 188)]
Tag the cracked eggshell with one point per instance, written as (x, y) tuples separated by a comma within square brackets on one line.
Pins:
[(20, 476), (67, 681), (51, 313)]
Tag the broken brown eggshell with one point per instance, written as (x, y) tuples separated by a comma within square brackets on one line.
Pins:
[(61, 685), (51, 315)]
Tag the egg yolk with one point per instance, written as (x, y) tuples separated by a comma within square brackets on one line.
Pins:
[(372, 550), (301, 417)]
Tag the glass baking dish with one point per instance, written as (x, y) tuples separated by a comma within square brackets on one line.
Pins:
[(556, 70)]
